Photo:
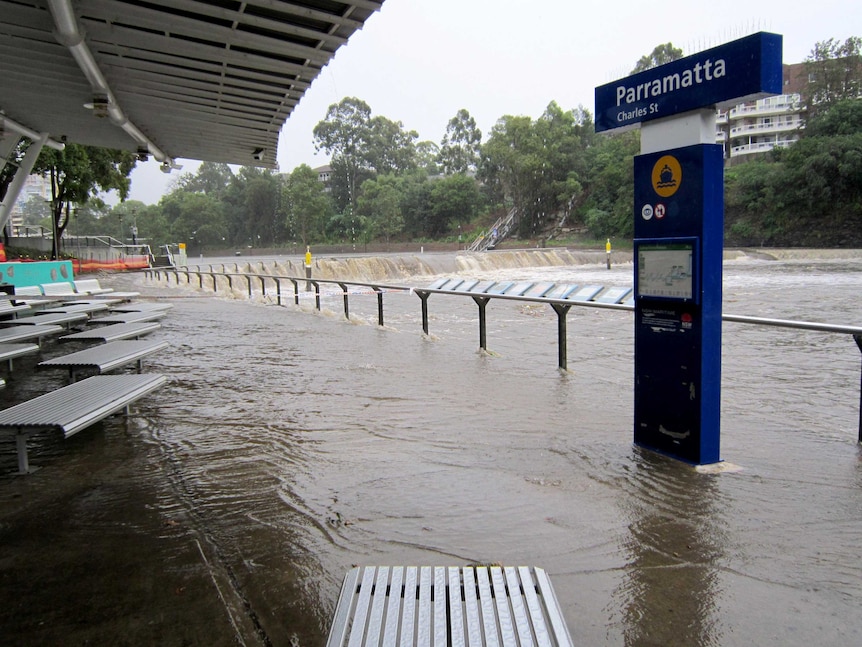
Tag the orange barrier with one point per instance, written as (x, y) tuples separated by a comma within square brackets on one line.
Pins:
[(128, 263)]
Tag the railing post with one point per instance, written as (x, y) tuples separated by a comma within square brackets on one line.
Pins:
[(278, 289), (379, 292), (482, 302), (316, 294), (346, 304), (858, 340), (295, 291), (215, 286), (562, 344), (423, 296), (262, 285), (248, 278)]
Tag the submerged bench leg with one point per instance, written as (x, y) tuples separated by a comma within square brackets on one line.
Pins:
[(21, 445)]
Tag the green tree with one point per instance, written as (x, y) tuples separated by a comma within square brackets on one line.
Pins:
[(195, 218), (661, 55), (391, 149), (344, 135), (609, 189), (844, 117), (260, 206), (78, 173), (212, 178), (308, 207), (379, 204), (455, 200), (539, 167), (427, 154), (835, 72), (460, 149)]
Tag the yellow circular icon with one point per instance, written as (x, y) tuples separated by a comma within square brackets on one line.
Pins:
[(666, 176)]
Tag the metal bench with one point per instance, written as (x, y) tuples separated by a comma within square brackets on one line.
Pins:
[(448, 605), (35, 297), (75, 407), (9, 308), (61, 289), (90, 286), (48, 318), (147, 306), (130, 317), (78, 306), (9, 352), (104, 358), (11, 334), (114, 332)]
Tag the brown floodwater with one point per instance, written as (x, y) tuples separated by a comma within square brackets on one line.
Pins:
[(292, 444)]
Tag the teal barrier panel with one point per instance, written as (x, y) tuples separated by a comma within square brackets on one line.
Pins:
[(22, 274)]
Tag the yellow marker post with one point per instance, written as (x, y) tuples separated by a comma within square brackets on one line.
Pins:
[(608, 250), (307, 268)]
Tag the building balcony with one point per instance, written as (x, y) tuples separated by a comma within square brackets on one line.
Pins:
[(784, 104), (758, 147), (773, 127)]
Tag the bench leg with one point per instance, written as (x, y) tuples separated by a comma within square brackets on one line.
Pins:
[(21, 445)]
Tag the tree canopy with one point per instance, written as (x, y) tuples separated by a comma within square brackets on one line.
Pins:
[(78, 173)]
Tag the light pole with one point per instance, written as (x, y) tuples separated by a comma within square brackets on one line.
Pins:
[(134, 227)]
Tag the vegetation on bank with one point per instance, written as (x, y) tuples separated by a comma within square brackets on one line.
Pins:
[(567, 184)]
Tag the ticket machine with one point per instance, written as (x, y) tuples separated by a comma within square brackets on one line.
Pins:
[(678, 262)]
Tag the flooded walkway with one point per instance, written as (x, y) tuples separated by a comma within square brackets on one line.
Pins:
[(292, 444)]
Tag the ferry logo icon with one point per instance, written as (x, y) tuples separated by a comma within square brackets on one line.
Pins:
[(666, 176)]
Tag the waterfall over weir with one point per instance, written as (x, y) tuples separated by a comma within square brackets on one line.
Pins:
[(403, 266)]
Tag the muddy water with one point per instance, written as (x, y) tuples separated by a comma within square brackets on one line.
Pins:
[(292, 444)]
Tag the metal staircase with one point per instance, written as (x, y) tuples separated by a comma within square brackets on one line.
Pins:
[(497, 232)]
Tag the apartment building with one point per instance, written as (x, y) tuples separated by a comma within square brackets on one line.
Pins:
[(760, 126)]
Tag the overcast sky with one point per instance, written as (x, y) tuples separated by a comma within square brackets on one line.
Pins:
[(420, 61)]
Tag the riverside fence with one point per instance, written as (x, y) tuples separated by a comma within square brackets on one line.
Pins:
[(480, 293)]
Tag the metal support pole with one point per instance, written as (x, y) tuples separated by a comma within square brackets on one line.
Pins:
[(379, 306), (295, 291), (278, 290), (346, 303), (562, 343), (215, 286), (858, 339), (262, 286), (482, 302), (248, 278), (423, 296), (316, 294)]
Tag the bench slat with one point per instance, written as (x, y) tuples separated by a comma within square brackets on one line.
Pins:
[(449, 606), (107, 356), (130, 317), (114, 332), (47, 319), (76, 406), (23, 333), (142, 307)]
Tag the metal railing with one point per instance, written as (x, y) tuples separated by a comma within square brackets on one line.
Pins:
[(560, 306)]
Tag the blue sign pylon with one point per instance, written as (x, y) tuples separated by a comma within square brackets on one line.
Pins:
[(678, 227)]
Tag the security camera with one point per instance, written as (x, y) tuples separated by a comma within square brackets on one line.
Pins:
[(258, 154)]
